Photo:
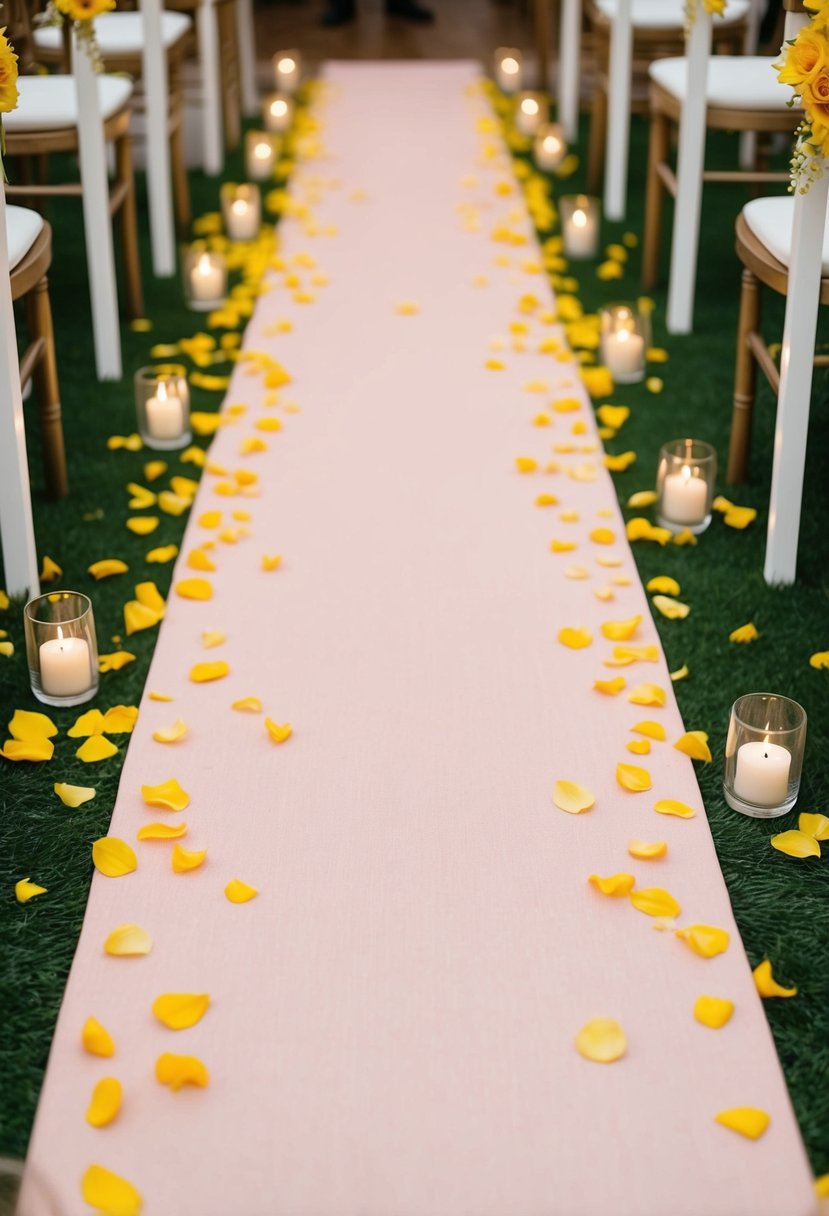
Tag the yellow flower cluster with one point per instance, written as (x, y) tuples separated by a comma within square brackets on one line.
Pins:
[(84, 10), (8, 75), (806, 68)]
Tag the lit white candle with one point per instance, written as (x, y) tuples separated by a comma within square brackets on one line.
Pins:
[(550, 147), (65, 668), (623, 352), (762, 773), (528, 114), (684, 497), (208, 280), (286, 71), (277, 112), (581, 234), (260, 156), (508, 70), (242, 220), (165, 414)]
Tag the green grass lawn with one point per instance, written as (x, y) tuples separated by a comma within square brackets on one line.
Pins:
[(782, 905)]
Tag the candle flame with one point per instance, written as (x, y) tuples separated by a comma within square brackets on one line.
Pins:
[(262, 150), (623, 335), (579, 218), (509, 65), (529, 106), (203, 265), (551, 143), (161, 391), (60, 635), (238, 206), (287, 64), (279, 108), (685, 473)]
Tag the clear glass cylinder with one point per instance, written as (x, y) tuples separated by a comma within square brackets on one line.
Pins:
[(261, 149), (205, 279), (550, 147), (241, 210), (580, 226), (686, 477), (508, 69), (530, 112), (287, 70), (162, 406), (623, 342), (277, 112), (764, 754), (61, 648)]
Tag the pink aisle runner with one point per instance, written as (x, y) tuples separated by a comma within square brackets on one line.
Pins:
[(392, 1019)]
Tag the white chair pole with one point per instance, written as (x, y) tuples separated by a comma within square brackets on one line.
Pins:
[(690, 166), (618, 102), (96, 218), (17, 533), (247, 57), (159, 178), (569, 68), (796, 372), (207, 33)]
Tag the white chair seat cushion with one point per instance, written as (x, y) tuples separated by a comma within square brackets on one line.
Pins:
[(23, 227), (50, 103), (743, 82), (668, 14), (118, 33), (771, 220)]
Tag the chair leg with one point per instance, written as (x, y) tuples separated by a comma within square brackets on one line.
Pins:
[(231, 108), (598, 137), (657, 155), (129, 230), (181, 184), (39, 312), (745, 380)]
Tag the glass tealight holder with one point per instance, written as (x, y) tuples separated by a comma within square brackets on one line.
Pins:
[(530, 112), (685, 481), (162, 406), (550, 147), (580, 216), (287, 69), (508, 69), (277, 112), (623, 342), (764, 755), (261, 149), (241, 210), (205, 279), (61, 648)]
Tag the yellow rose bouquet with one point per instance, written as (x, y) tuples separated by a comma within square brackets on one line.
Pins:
[(82, 14), (716, 7), (8, 87), (805, 66)]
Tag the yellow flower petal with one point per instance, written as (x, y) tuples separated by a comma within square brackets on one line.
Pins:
[(713, 1011), (128, 941), (239, 892), (248, 705), (562, 546), (96, 748), (819, 660), (142, 498), (194, 589), (50, 570), (177, 1071), (647, 694), (73, 795), (694, 743), (613, 416), (271, 562), (143, 525), (168, 795), (25, 889), (575, 639), (526, 464), (181, 1010), (814, 825), (685, 537), (705, 940), (664, 585), (655, 901), (138, 616), (162, 831), (278, 733), (114, 661), (131, 443), (198, 560), (822, 1186), (183, 860), (87, 724), (105, 1102), (642, 499), (154, 469), (646, 850), (7, 649), (614, 884), (148, 594), (767, 985), (621, 631), (165, 553), (211, 638), (96, 1040), (681, 673), (120, 720), (639, 747), (640, 528), (603, 536), (618, 464), (796, 844), (749, 1121), (30, 749), (577, 573), (573, 798), (745, 633), (610, 688), (268, 424), (159, 696), (601, 1041), (633, 778), (670, 806), (110, 1194), (28, 725), (171, 734), (739, 517), (113, 857), (653, 730), (107, 567), (210, 519), (670, 608), (203, 673)]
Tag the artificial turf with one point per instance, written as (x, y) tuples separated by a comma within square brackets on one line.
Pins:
[(781, 905)]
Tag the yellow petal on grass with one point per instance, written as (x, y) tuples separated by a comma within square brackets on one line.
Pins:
[(819, 660), (610, 688), (613, 416), (602, 1040), (705, 940), (165, 553), (646, 850), (796, 844), (25, 889), (239, 892), (114, 661), (748, 1121), (647, 694), (271, 562), (105, 1102), (106, 568), (73, 795), (203, 673), (655, 901), (194, 589), (739, 517), (154, 469), (128, 941), (767, 985), (169, 795), (621, 631), (248, 705), (142, 498), (162, 831), (681, 673), (110, 1194), (113, 857), (642, 499), (171, 734), (31, 749), (814, 825), (278, 733), (96, 748), (664, 585), (87, 724), (96, 1040), (181, 1010), (633, 778), (614, 884), (120, 720), (184, 860), (673, 609), (694, 743), (143, 525), (176, 1071), (745, 633), (575, 639), (618, 464), (713, 1011), (7, 649), (28, 725), (573, 798), (138, 616), (50, 570), (670, 806)]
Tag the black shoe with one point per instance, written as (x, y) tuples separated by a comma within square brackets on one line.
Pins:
[(340, 12), (410, 10)]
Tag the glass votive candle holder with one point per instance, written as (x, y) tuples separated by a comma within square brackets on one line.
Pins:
[(623, 342), (162, 406), (685, 481), (61, 648), (530, 112), (287, 68), (764, 755), (508, 67), (260, 155), (277, 112), (241, 210), (550, 147), (580, 226), (205, 279)]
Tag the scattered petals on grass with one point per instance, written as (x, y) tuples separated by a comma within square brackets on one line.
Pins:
[(110, 1194), (106, 568), (194, 589), (670, 806), (165, 553), (176, 1071), (814, 825), (796, 844), (203, 673), (673, 609), (50, 570), (138, 616), (142, 498), (681, 673), (819, 660), (128, 941), (685, 537), (633, 778), (171, 734), (663, 584), (655, 901), (575, 639), (694, 743), (25, 889), (184, 860), (181, 1010), (767, 985), (279, 733), (618, 464), (713, 1011), (31, 749), (28, 725), (143, 525), (6, 649), (653, 730), (96, 748), (162, 831), (647, 694), (621, 631), (73, 795), (248, 705), (130, 443), (739, 517), (602, 1040), (647, 850), (113, 857), (614, 884), (87, 724), (642, 499), (640, 528), (610, 688), (154, 469), (239, 892), (96, 1039), (614, 416), (745, 633), (705, 940), (120, 720), (105, 1102), (748, 1121), (114, 661)]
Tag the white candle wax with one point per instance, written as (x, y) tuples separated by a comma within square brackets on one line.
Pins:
[(581, 234), (623, 352), (65, 668), (528, 116), (165, 415), (278, 113), (549, 151), (207, 280), (243, 220), (261, 155), (684, 497), (508, 73), (286, 73), (762, 773)]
